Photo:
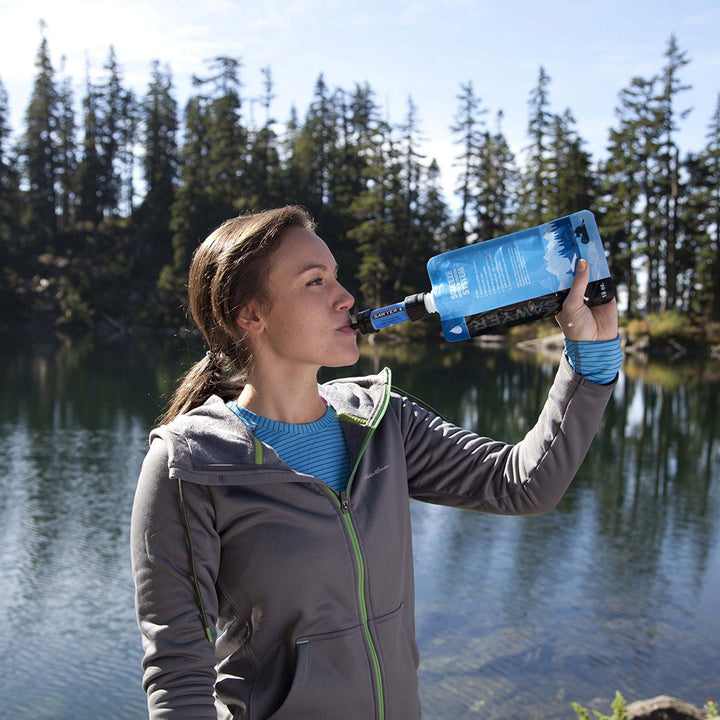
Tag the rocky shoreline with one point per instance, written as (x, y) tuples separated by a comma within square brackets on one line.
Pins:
[(664, 707)]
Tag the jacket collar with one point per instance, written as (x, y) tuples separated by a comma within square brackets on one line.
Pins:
[(211, 445)]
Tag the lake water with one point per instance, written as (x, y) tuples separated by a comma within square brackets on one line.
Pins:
[(617, 589)]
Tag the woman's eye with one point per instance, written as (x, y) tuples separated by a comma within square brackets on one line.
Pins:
[(316, 281)]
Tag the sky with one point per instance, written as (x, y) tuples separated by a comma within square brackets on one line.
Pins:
[(419, 49)]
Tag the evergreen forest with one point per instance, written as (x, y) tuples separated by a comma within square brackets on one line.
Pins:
[(104, 198)]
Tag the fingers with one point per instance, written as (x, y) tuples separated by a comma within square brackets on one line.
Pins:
[(580, 322), (575, 319), (576, 296)]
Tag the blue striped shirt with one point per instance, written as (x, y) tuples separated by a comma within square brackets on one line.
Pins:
[(597, 360), (317, 448)]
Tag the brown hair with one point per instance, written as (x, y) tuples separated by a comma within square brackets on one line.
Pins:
[(229, 270)]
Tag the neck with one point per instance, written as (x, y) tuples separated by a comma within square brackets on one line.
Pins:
[(289, 399)]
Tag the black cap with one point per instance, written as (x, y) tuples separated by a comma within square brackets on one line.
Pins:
[(363, 323)]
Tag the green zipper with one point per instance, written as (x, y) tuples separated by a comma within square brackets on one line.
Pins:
[(363, 604), (344, 505), (360, 563)]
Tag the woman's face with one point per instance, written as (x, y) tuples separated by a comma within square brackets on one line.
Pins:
[(307, 320)]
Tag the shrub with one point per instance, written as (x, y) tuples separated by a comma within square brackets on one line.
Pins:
[(667, 327), (618, 707)]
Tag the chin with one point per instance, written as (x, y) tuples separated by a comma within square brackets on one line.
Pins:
[(343, 362)]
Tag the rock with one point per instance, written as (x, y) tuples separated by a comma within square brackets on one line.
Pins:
[(638, 345), (548, 345), (663, 707)]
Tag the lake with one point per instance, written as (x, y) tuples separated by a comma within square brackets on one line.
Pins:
[(617, 589)]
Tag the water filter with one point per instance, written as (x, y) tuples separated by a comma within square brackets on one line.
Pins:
[(494, 284)]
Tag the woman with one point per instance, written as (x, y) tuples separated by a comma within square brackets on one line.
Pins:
[(271, 527)]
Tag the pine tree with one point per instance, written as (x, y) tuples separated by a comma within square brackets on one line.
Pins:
[(361, 190), (213, 160), (39, 153), (469, 129), (67, 162), (435, 213), (705, 208), (315, 151), (90, 170), (191, 211), (106, 172), (110, 101), (290, 162), (691, 296), (379, 212), (9, 191), (641, 99), (264, 185), (359, 130), (619, 195), (630, 204), (160, 165), (669, 169), (536, 196), (572, 185), (413, 243), (227, 140), (360, 133), (497, 185)]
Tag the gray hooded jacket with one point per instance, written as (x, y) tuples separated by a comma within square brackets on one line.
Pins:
[(261, 593)]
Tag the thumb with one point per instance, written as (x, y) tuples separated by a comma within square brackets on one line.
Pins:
[(576, 296)]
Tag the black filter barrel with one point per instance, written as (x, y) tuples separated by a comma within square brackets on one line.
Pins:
[(415, 306)]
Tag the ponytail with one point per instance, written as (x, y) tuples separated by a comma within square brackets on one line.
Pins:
[(228, 270), (205, 378)]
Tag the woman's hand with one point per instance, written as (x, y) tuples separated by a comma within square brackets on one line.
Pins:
[(581, 322)]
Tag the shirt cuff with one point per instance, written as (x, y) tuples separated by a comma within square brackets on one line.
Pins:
[(596, 360)]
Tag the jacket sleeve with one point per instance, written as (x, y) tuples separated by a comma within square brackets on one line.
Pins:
[(451, 466), (179, 660)]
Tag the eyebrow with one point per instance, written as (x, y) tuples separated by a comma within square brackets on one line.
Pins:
[(316, 266)]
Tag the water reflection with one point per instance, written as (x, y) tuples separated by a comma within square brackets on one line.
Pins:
[(616, 589)]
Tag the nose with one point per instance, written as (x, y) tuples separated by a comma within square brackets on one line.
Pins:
[(345, 300)]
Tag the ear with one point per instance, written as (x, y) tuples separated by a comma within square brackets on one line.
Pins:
[(250, 319)]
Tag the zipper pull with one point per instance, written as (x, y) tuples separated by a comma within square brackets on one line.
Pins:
[(344, 502)]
